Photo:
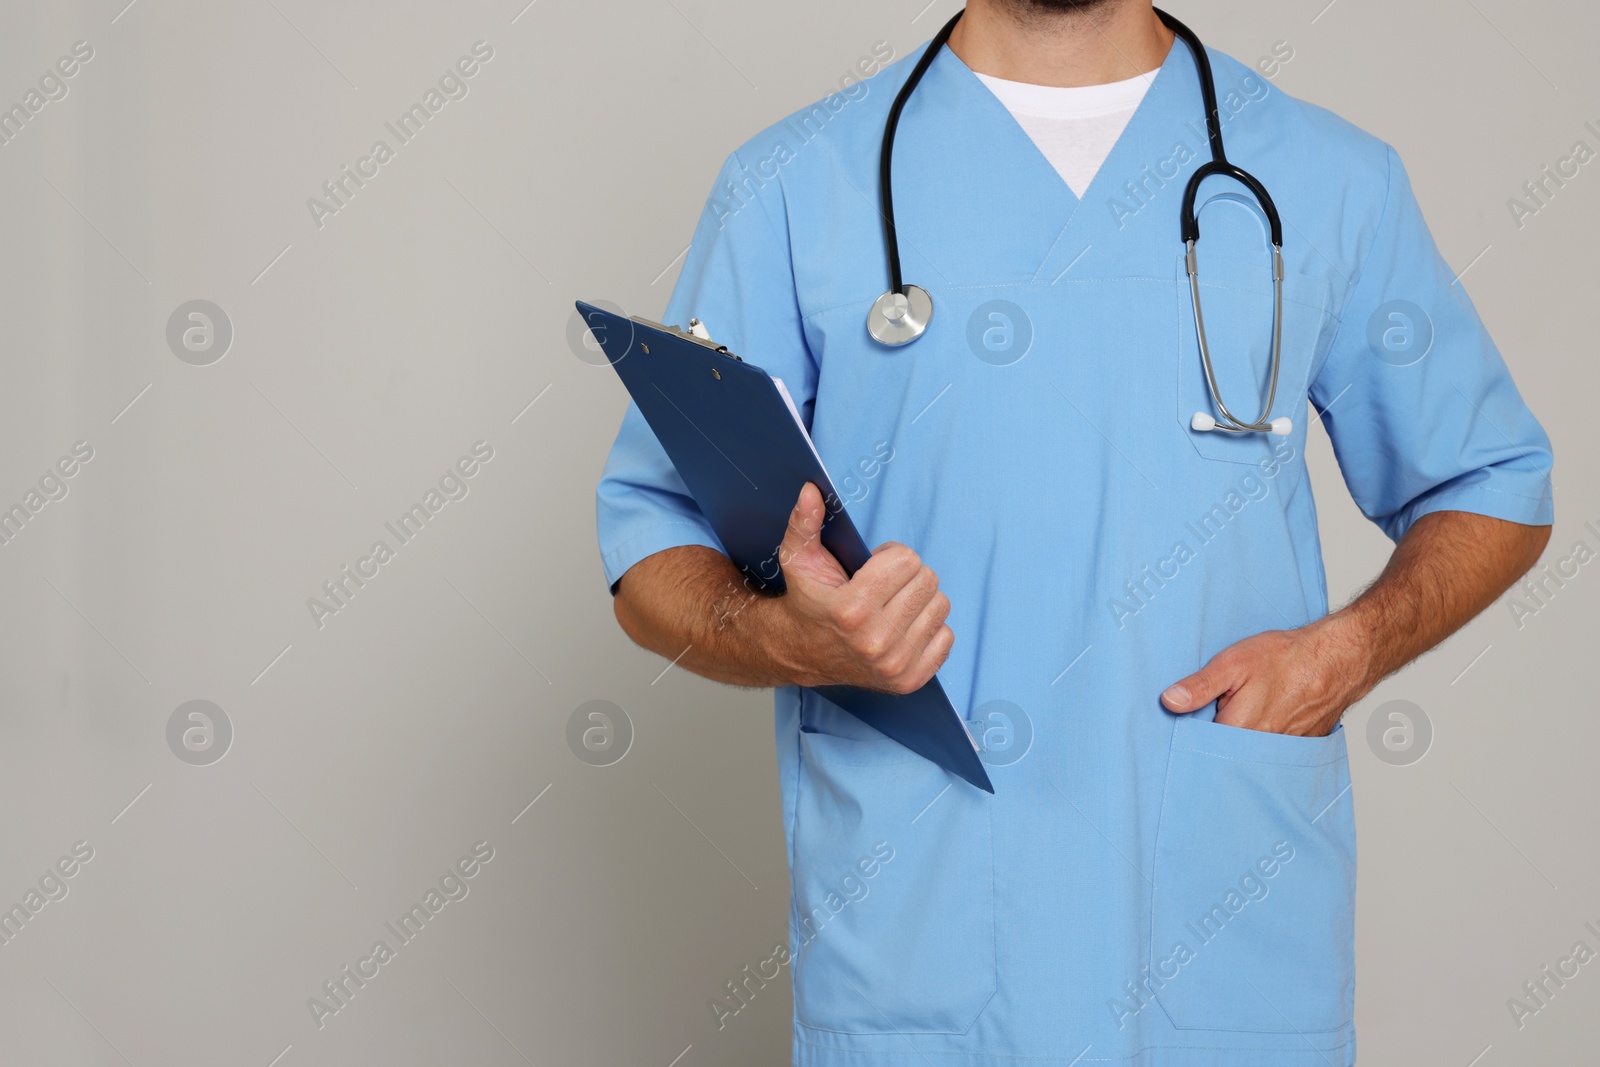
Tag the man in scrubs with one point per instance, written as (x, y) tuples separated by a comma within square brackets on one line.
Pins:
[(1132, 612)]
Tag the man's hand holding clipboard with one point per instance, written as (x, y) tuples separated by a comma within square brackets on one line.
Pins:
[(865, 630)]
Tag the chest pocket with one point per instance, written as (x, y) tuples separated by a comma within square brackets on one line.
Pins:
[(1236, 300)]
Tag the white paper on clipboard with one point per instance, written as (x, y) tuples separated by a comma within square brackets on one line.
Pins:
[(789, 401)]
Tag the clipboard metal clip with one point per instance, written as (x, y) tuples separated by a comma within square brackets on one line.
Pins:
[(696, 332)]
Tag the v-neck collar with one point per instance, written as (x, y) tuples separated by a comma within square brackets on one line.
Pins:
[(1011, 119), (961, 132)]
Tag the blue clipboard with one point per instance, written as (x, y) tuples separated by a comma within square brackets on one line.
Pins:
[(743, 457)]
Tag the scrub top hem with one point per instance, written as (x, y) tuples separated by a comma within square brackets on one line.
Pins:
[(1343, 1055)]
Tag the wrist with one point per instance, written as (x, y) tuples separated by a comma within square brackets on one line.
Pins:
[(1345, 644), (775, 630)]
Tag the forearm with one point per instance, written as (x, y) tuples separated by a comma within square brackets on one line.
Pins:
[(1446, 569), (693, 606), (881, 628)]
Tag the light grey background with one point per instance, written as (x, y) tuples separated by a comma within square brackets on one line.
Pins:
[(430, 313)]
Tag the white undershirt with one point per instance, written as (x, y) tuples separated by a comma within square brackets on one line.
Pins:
[(1075, 128)]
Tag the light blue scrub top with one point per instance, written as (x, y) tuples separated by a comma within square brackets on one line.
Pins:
[(1142, 888)]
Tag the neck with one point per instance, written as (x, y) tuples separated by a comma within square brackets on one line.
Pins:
[(1047, 44)]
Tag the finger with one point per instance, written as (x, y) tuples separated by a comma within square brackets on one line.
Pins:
[(928, 633), (913, 619), (918, 649), (912, 598), (928, 661), (1243, 708), (888, 572), (1215, 679)]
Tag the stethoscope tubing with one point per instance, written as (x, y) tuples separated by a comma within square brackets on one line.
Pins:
[(886, 154), (896, 333), (1230, 423)]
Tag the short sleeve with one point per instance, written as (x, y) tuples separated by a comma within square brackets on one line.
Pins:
[(1422, 412), (738, 280)]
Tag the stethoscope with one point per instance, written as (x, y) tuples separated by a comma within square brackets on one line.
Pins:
[(902, 314)]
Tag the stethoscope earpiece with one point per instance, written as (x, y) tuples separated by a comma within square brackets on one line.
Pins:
[(1204, 423)]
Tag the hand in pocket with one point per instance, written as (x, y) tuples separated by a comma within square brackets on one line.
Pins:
[(1281, 681)]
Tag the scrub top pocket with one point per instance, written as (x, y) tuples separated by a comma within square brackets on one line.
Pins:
[(893, 921), (1253, 915), (1236, 300)]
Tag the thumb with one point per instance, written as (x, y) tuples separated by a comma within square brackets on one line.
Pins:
[(802, 541), (1200, 688)]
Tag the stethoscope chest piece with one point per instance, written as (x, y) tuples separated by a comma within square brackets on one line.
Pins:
[(899, 318)]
